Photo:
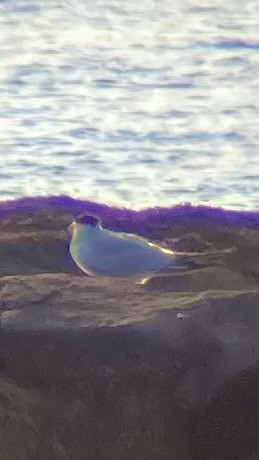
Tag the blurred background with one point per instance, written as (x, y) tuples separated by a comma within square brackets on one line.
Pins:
[(136, 103)]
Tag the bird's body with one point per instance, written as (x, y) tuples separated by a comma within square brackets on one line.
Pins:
[(101, 252)]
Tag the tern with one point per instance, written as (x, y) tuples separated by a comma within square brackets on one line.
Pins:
[(98, 251)]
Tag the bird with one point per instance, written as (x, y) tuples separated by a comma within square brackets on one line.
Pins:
[(98, 251)]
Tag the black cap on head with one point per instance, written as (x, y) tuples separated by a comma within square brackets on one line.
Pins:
[(89, 219)]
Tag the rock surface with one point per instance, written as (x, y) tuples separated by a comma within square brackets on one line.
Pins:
[(100, 369)]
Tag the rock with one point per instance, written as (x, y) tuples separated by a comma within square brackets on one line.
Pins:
[(202, 279), (191, 242), (113, 373), (99, 369)]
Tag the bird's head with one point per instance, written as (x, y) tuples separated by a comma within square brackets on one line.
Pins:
[(84, 219)]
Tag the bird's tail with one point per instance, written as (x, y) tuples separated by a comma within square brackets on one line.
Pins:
[(196, 260)]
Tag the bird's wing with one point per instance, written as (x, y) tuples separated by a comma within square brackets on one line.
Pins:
[(130, 242)]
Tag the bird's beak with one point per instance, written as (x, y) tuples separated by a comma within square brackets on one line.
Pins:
[(70, 229)]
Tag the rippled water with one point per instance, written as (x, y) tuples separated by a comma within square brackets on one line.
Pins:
[(135, 103)]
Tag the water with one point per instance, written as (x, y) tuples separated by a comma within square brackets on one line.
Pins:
[(136, 103)]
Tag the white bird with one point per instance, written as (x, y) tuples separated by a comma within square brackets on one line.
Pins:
[(101, 252)]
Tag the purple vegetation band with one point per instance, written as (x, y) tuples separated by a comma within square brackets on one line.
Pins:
[(184, 214)]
